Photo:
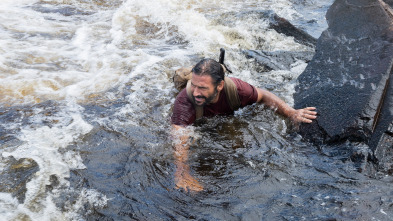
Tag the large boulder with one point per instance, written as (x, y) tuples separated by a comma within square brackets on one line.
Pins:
[(349, 78)]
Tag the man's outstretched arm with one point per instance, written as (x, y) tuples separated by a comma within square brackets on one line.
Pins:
[(305, 115), (183, 178)]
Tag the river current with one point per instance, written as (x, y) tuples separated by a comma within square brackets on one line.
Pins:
[(86, 95)]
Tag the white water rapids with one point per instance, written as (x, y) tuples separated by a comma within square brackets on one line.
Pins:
[(57, 57)]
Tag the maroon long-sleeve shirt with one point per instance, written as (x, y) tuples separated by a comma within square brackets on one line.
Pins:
[(184, 111)]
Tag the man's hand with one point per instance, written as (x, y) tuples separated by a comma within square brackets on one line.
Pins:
[(183, 180), (305, 115)]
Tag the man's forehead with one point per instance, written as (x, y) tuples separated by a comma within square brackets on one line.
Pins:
[(204, 79)]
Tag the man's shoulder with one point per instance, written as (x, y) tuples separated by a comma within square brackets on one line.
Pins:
[(234, 79), (183, 102), (248, 93), (240, 83), (183, 110), (182, 96)]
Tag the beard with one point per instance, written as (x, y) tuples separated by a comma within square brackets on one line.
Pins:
[(207, 99)]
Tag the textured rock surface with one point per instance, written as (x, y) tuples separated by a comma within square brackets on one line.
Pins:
[(277, 60), (283, 26), (349, 79)]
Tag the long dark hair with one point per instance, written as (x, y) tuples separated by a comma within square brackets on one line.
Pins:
[(208, 66)]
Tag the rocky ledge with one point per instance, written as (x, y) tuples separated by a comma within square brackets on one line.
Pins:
[(349, 78)]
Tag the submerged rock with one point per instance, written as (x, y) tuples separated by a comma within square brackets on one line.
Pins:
[(273, 21), (281, 60), (277, 60), (15, 176), (349, 79)]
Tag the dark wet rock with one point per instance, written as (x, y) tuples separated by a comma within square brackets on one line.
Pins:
[(16, 175), (349, 79), (281, 60), (389, 2), (384, 150), (275, 22), (283, 26), (277, 60)]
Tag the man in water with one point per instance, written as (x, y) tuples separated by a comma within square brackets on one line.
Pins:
[(207, 84)]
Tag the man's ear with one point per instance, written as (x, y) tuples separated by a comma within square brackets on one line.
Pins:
[(220, 85)]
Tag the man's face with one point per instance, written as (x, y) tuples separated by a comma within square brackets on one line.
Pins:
[(203, 90)]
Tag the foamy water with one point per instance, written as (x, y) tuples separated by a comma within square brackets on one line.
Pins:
[(60, 58), (54, 51)]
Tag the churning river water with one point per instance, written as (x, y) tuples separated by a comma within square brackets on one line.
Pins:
[(86, 94)]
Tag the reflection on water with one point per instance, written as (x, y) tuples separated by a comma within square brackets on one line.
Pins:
[(86, 96)]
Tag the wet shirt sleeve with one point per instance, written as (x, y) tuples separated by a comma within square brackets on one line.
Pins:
[(248, 94), (183, 110)]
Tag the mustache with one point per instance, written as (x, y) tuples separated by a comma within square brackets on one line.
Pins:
[(200, 97)]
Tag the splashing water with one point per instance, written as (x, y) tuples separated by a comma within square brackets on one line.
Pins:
[(86, 96)]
